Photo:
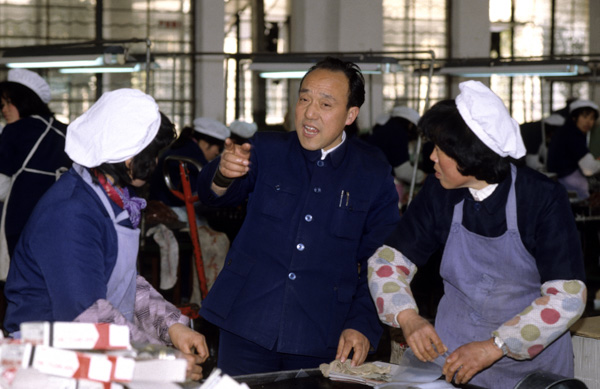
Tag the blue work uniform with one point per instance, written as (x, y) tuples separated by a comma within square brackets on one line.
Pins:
[(64, 260), (567, 146), (295, 276), (32, 153)]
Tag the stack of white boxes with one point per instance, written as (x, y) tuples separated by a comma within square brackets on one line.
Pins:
[(65, 355)]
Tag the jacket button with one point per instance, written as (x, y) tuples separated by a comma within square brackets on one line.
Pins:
[(300, 247), (292, 276), (277, 187), (320, 163), (229, 262), (308, 218), (317, 189)]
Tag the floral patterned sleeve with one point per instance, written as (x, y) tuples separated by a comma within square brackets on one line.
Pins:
[(560, 305), (390, 274)]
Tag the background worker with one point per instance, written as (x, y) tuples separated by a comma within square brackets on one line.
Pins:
[(201, 143), (568, 153), (32, 154)]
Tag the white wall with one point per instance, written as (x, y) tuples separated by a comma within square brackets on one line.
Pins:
[(469, 33), (335, 26), (209, 74)]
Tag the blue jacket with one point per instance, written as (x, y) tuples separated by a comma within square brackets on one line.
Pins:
[(16, 142), (64, 258), (296, 274)]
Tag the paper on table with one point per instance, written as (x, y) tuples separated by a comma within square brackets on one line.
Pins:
[(412, 370)]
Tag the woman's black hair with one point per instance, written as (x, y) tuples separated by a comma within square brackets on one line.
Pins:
[(144, 163), (26, 101), (445, 127)]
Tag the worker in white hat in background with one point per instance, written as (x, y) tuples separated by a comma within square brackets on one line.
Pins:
[(396, 135), (512, 262), (32, 155), (568, 153), (241, 131), (535, 143), (76, 259), (201, 143)]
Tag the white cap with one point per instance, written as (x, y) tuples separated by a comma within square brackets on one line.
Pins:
[(407, 113), (243, 129), (117, 127), (31, 80), (555, 119), (211, 127), (487, 116), (582, 104), (382, 118)]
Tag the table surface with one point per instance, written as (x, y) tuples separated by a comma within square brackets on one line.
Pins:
[(302, 379)]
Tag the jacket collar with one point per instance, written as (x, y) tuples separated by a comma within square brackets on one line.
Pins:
[(336, 156)]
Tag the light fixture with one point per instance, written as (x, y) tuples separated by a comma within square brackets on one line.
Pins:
[(102, 69), (281, 68), (37, 62), (517, 68), (65, 56)]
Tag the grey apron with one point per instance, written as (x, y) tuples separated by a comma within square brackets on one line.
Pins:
[(488, 281), (120, 291)]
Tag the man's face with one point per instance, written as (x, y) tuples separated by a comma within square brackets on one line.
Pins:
[(321, 112)]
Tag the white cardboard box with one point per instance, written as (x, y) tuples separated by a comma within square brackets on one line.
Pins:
[(76, 336), (586, 348)]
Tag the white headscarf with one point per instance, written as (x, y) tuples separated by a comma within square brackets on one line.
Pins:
[(31, 80), (243, 129), (211, 127), (581, 104), (487, 116), (117, 127)]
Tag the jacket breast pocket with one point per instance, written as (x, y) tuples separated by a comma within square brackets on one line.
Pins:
[(275, 198), (348, 220)]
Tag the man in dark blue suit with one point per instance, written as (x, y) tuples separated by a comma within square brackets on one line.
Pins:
[(293, 292)]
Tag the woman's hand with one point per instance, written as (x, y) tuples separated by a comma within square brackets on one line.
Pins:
[(193, 345), (420, 336), (470, 359)]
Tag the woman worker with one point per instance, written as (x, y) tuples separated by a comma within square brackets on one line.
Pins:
[(512, 263), (568, 153), (76, 259), (32, 153)]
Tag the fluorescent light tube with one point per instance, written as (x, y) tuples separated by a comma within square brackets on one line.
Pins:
[(101, 69), (52, 61)]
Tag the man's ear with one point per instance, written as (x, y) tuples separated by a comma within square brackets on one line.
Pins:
[(352, 115)]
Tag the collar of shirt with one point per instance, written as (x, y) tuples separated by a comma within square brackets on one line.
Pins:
[(482, 194), (325, 152), (335, 157)]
